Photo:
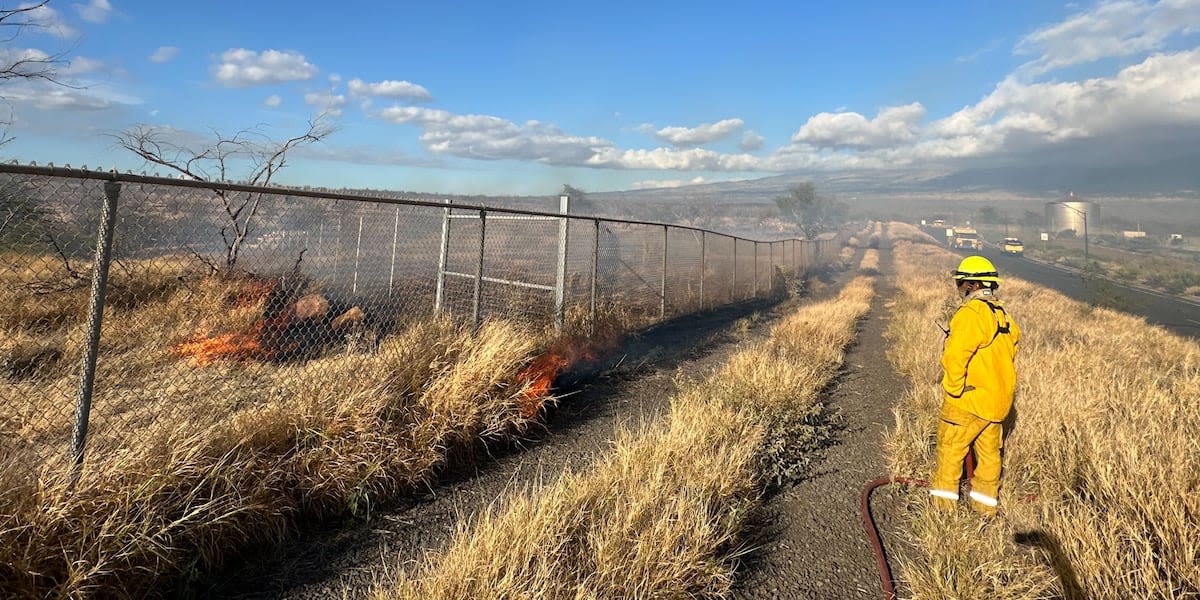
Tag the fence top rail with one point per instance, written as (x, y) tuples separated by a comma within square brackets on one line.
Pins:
[(16, 168)]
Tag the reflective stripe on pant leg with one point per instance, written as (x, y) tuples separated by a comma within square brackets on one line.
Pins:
[(987, 501), (986, 481), (943, 494)]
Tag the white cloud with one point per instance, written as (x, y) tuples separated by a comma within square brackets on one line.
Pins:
[(1163, 90), (80, 65), (243, 68), (751, 141), (25, 61), (700, 134), (892, 126), (47, 20), (365, 155), (95, 11), (44, 95), (491, 138), (658, 184), (972, 57), (164, 54), (326, 101), (1111, 29), (334, 79), (1017, 117), (403, 90), (272, 101), (487, 137), (673, 159)]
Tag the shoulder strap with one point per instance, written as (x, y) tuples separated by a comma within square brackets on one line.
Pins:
[(1002, 325)]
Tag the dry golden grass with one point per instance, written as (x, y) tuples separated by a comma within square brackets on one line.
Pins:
[(869, 264), (1100, 463), (187, 466), (846, 255), (899, 232), (663, 515)]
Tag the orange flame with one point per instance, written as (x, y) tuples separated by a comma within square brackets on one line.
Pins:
[(203, 350), (539, 375), (262, 341)]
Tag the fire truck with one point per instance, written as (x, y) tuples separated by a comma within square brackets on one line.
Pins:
[(966, 238)]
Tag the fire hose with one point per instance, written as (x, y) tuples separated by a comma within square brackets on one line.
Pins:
[(885, 571)]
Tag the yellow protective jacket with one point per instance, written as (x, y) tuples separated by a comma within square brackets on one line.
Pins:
[(977, 363)]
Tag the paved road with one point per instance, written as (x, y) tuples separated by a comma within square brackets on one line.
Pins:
[(1175, 314)]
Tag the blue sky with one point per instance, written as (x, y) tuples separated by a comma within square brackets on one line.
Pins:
[(465, 97)]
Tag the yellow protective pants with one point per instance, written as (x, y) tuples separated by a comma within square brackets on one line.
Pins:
[(959, 431)]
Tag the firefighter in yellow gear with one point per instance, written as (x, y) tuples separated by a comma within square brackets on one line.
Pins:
[(978, 382)]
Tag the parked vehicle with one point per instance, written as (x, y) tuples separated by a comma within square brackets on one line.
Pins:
[(1012, 246), (967, 238)]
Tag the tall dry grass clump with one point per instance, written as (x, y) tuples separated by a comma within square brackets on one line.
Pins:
[(664, 515), (869, 265), (1099, 491), (845, 256), (187, 466)]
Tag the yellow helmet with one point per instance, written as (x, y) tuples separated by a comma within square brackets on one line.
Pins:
[(976, 268)]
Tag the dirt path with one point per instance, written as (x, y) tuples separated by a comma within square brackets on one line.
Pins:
[(815, 546), (633, 385)]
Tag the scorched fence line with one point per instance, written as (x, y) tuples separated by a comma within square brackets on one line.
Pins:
[(117, 291)]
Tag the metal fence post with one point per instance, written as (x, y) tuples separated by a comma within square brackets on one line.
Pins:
[(560, 278), (755, 269), (595, 276), (733, 276), (395, 242), (87, 372), (357, 254), (443, 255), (478, 296), (703, 265), (662, 288)]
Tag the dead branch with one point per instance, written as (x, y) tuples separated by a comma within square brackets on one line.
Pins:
[(215, 161)]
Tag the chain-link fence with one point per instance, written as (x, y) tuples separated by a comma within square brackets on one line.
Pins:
[(128, 301)]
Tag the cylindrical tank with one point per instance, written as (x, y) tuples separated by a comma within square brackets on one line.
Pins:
[(1068, 214)]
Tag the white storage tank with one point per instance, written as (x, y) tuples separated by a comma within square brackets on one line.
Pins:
[(1069, 212)]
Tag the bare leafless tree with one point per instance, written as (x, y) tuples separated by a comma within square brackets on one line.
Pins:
[(24, 64), (221, 160)]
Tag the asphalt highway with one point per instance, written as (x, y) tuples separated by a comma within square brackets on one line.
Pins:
[(1175, 314)]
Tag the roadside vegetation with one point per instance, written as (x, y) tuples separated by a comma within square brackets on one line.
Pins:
[(190, 464), (1099, 490), (211, 436), (1134, 261), (666, 514), (1156, 269)]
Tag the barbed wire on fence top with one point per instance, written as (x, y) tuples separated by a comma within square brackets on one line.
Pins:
[(207, 309)]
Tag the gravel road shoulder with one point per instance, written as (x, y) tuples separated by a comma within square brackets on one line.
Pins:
[(814, 545)]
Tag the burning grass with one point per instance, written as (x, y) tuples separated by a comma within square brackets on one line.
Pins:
[(665, 515), (189, 465), (1099, 491)]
